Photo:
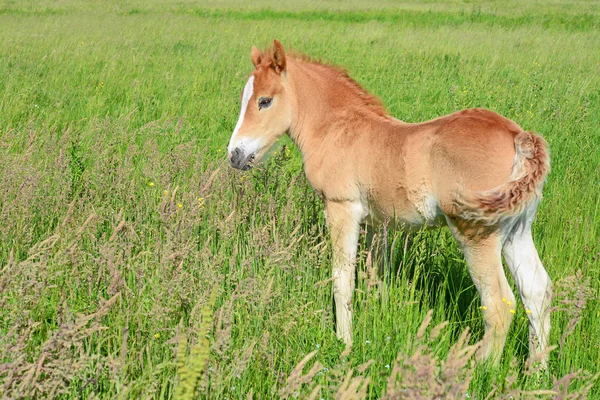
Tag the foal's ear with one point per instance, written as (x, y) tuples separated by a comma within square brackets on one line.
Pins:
[(256, 56), (278, 57)]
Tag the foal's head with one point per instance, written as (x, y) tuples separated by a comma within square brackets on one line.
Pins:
[(266, 111)]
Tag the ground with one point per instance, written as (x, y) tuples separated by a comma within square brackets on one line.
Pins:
[(119, 216)]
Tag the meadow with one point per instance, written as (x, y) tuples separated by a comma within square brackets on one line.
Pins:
[(135, 263)]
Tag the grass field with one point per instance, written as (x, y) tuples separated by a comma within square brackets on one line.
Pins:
[(130, 253)]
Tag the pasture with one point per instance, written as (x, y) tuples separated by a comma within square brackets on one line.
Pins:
[(135, 263)]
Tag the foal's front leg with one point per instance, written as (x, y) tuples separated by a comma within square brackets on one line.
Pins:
[(343, 220)]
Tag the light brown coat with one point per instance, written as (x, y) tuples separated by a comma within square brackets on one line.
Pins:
[(474, 170)]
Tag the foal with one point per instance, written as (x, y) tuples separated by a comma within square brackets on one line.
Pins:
[(474, 170)]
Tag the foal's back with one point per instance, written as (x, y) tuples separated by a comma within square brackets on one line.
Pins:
[(414, 171)]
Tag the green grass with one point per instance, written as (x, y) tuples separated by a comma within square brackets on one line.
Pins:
[(119, 214)]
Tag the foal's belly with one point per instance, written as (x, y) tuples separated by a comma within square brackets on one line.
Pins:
[(403, 212)]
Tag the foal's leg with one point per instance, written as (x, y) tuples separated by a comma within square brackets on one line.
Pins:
[(343, 220), (376, 244), (533, 283), (497, 299)]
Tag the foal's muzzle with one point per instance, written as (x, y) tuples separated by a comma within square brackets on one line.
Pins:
[(239, 160)]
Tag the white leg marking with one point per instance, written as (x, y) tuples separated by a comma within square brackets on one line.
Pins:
[(344, 221), (533, 283), (246, 96)]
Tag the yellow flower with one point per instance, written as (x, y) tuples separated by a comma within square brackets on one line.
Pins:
[(508, 303), (528, 311), (166, 192), (179, 205), (483, 308), (512, 311), (151, 184), (156, 335), (504, 299)]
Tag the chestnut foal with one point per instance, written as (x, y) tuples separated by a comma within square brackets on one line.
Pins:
[(474, 170)]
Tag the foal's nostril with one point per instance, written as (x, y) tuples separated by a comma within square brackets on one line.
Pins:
[(236, 158), (236, 155)]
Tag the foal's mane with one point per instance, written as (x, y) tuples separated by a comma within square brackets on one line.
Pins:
[(369, 101)]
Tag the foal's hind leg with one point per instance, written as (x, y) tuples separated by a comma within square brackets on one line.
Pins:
[(482, 253), (343, 220), (533, 283)]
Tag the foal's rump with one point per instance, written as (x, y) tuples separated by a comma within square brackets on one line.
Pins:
[(500, 168), (530, 168)]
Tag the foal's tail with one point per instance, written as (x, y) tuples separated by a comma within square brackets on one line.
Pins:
[(530, 168)]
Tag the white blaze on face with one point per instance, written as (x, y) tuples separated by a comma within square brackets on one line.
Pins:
[(246, 96)]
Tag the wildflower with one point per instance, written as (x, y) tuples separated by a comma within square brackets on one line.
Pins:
[(483, 308), (367, 341), (166, 192), (151, 184), (179, 205), (157, 335), (508, 303), (388, 339), (387, 366), (318, 346), (528, 311), (512, 311), (504, 299)]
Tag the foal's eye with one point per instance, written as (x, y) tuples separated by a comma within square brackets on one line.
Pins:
[(264, 102)]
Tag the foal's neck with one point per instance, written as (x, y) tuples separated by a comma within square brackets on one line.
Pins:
[(312, 103), (325, 97)]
